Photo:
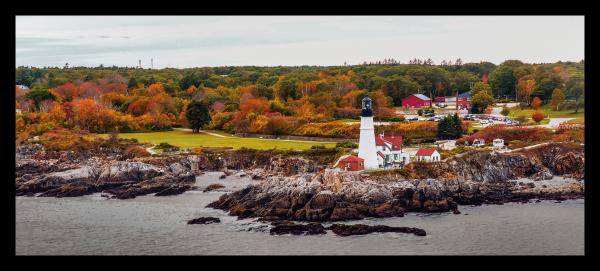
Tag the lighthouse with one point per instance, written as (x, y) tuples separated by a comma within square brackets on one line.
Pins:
[(366, 145)]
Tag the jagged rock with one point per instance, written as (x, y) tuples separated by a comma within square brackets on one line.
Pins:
[(298, 229), (204, 220), (173, 190), (213, 187), (177, 168), (129, 171), (360, 229)]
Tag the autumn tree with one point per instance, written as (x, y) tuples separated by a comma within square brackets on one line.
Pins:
[(481, 87), (557, 99), (197, 115), (65, 92), (536, 103), (38, 95), (480, 101), (525, 87)]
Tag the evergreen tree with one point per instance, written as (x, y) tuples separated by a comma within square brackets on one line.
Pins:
[(197, 115)]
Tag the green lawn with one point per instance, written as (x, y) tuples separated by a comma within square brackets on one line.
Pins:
[(548, 112), (188, 140)]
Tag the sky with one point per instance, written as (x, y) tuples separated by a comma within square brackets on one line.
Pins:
[(201, 41)]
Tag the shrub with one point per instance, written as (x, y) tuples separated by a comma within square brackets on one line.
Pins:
[(505, 111), (349, 145), (166, 147), (414, 130), (537, 116), (509, 134), (135, 151)]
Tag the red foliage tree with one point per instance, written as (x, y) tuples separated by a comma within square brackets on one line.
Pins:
[(537, 116)]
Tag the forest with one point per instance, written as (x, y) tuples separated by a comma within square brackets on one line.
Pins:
[(304, 100)]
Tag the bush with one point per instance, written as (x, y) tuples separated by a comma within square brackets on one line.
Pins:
[(135, 151), (328, 129), (537, 116), (505, 111), (509, 134), (166, 147), (414, 130), (349, 145)]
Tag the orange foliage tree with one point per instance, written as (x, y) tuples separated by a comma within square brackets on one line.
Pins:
[(536, 103)]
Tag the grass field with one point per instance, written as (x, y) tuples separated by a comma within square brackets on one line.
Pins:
[(189, 140), (548, 112)]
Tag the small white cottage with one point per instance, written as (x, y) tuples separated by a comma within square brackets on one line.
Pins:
[(478, 142), (498, 143), (428, 155)]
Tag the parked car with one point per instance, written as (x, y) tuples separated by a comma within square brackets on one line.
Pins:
[(412, 119)]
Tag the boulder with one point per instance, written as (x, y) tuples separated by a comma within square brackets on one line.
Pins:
[(297, 229), (360, 229), (213, 187), (204, 220), (173, 190), (123, 171)]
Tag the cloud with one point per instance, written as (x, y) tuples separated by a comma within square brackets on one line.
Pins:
[(189, 41)]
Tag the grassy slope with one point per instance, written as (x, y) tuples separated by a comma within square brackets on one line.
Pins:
[(547, 110), (184, 139)]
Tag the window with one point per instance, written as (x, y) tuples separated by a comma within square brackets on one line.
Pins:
[(387, 157), (395, 157)]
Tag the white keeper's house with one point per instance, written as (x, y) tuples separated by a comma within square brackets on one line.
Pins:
[(389, 151)]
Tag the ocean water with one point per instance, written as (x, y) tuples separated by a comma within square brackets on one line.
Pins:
[(157, 225)]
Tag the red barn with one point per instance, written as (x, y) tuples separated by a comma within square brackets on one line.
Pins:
[(416, 101), (351, 163)]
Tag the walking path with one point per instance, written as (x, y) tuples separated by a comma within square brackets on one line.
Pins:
[(222, 136), (555, 122), (202, 131)]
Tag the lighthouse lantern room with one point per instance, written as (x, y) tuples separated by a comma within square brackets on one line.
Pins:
[(366, 147)]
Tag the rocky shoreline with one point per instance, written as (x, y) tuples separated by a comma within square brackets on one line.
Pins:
[(553, 171), (297, 189)]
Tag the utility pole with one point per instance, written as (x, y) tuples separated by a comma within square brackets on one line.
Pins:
[(151, 63), (140, 63)]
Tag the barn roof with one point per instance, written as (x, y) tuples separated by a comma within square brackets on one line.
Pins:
[(465, 94), (422, 97)]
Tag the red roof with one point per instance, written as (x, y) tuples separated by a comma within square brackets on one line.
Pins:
[(352, 158), (395, 141), (425, 152)]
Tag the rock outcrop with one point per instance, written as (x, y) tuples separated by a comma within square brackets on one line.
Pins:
[(204, 220), (481, 177), (66, 174), (360, 229)]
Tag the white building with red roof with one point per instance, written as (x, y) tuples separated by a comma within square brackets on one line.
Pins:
[(389, 151), (428, 155)]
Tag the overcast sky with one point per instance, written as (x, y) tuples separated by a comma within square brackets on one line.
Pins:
[(199, 41)]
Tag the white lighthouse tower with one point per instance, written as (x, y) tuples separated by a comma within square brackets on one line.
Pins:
[(366, 145)]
